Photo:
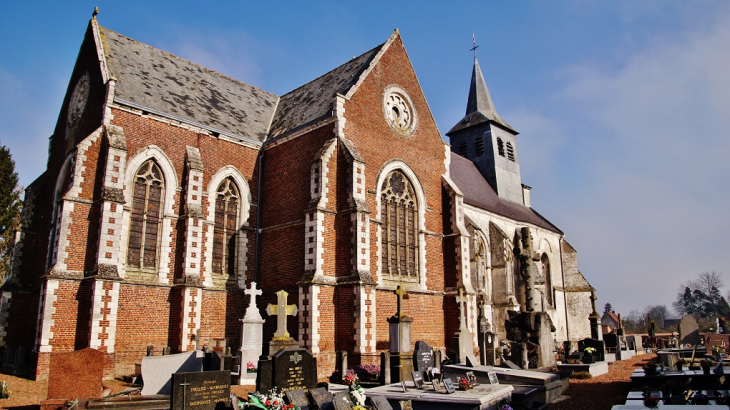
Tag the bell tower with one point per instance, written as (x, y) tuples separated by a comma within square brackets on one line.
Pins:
[(489, 141)]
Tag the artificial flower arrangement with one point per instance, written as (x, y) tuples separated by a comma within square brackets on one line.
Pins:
[(274, 400), (357, 393), (250, 367), (589, 350), (718, 350), (465, 384)]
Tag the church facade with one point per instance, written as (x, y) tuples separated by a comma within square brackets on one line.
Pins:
[(170, 188)]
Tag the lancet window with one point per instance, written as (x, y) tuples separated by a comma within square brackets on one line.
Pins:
[(399, 239), (227, 203), (146, 217)]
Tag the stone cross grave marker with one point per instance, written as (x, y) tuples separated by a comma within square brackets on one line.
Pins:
[(461, 299), (281, 311), (252, 312), (401, 293)]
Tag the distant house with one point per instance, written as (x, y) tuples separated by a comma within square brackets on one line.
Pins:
[(611, 320)]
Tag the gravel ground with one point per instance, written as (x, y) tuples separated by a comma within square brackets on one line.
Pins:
[(597, 393), (604, 391)]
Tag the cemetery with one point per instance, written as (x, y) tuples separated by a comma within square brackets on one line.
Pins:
[(683, 369)]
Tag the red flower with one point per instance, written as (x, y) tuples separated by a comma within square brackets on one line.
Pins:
[(268, 403)]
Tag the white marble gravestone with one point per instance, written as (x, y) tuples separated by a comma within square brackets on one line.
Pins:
[(252, 339)]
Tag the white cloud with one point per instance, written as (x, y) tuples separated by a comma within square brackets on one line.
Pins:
[(652, 209)]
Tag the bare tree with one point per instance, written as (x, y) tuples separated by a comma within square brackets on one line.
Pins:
[(707, 281)]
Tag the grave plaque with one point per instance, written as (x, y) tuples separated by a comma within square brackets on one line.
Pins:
[(423, 357), (403, 386), (298, 398), (288, 369), (322, 398), (472, 378), (493, 378), (436, 384), (417, 379), (201, 390), (378, 403), (342, 401), (449, 385)]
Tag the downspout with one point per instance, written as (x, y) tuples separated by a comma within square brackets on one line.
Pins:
[(259, 194), (565, 292)]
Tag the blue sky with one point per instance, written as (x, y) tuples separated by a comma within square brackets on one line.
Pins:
[(623, 106)]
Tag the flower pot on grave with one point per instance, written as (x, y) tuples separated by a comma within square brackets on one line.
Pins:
[(588, 359)]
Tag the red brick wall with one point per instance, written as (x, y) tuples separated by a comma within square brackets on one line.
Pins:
[(141, 304)]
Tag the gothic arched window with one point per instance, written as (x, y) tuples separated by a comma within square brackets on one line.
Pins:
[(399, 239), (224, 232), (548, 279), (146, 216)]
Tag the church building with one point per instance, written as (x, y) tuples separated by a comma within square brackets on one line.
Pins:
[(169, 188)]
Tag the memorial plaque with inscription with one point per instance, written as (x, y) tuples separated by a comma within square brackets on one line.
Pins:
[(423, 357), (298, 398), (449, 385), (322, 398), (293, 369), (379, 403), (342, 401), (417, 379), (201, 390)]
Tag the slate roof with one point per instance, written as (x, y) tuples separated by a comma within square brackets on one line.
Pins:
[(477, 192), (315, 100), (155, 81), (479, 106)]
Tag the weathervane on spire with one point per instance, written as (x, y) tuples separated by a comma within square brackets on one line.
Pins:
[(96, 11), (474, 42)]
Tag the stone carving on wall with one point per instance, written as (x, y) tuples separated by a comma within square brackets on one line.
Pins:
[(113, 195)]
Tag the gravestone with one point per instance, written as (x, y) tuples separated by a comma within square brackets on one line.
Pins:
[(600, 352), (418, 379), (201, 390), (282, 311), (342, 401), (298, 398), (252, 339), (401, 358), (689, 331), (157, 371), (449, 385), (76, 374), (423, 358), (322, 398), (611, 341), (463, 338), (714, 339), (631, 342), (288, 369), (378, 403)]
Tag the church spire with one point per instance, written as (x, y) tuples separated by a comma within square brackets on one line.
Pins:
[(479, 98), (479, 106)]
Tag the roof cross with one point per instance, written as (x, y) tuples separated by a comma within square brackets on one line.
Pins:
[(281, 310), (474, 42)]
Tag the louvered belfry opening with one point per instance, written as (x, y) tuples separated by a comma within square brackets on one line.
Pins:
[(145, 217), (399, 240), (224, 232)]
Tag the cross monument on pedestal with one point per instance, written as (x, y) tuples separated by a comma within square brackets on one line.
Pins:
[(281, 311)]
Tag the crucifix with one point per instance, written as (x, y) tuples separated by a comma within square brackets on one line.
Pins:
[(400, 292), (281, 310), (460, 299)]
